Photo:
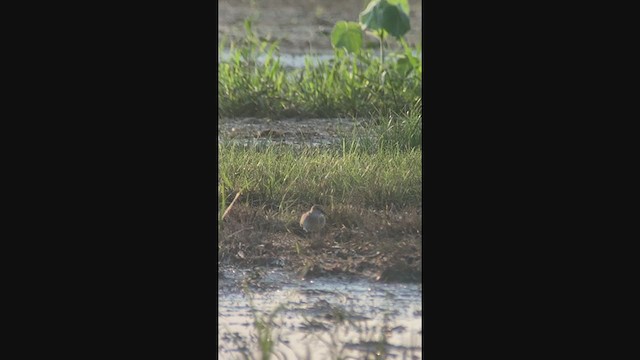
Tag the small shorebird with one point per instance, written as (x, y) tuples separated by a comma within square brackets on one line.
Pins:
[(313, 220)]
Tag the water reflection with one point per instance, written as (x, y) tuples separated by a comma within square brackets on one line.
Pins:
[(318, 319), (287, 60)]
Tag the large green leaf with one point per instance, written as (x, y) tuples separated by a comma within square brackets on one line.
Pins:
[(371, 17), (395, 21), (382, 15), (402, 4), (347, 35)]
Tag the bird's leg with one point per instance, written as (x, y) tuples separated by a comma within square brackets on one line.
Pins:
[(316, 240)]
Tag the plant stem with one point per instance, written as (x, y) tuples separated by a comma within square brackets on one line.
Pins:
[(382, 47)]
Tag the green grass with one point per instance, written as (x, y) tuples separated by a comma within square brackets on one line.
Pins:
[(346, 86), (377, 165), (285, 178), (401, 132)]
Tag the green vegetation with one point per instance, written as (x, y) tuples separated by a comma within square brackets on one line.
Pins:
[(278, 176), (349, 85), (370, 183), (370, 180), (381, 18), (375, 169)]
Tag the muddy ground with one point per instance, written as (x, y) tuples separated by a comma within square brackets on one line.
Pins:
[(291, 131), (382, 245), (301, 26)]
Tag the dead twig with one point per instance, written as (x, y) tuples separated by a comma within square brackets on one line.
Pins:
[(231, 205)]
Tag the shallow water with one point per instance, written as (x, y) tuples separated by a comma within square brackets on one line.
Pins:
[(287, 60), (293, 61), (322, 318)]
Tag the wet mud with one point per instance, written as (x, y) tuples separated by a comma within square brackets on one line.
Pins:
[(381, 245), (286, 131)]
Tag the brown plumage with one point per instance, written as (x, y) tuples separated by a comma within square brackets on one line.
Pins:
[(313, 220)]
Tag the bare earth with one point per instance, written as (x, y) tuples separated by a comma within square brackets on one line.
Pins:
[(301, 26), (292, 131), (381, 245)]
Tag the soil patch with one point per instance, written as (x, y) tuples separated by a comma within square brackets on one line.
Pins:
[(384, 245), (293, 130), (300, 26)]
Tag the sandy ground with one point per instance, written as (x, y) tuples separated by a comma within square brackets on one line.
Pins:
[(301, 26)]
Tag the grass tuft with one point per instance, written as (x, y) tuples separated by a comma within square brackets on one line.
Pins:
[(253, 82)]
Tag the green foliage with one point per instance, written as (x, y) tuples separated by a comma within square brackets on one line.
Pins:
[(283, 178), (388, 16), (381, 17), (377, 165), (403, 133), (402, 4), (253, 82), (345, 86), (347, 35), (407, 61)]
